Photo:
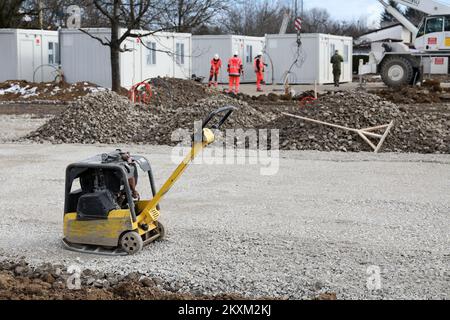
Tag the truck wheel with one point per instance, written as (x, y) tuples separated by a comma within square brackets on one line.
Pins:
[(131, 242), (397, 71)]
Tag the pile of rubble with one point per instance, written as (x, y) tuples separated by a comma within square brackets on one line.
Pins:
[(412, 132), (107, 117), (173, 93)]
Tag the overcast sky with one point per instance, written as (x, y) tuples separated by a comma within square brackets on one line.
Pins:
[(351, 9)]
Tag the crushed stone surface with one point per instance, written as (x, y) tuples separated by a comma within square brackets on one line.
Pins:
[(315, 227)]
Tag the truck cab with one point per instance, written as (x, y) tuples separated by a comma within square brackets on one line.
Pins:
[(433, 34)]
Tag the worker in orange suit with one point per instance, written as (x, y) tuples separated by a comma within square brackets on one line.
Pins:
[(259, 65), (235, 69), (216, 65)]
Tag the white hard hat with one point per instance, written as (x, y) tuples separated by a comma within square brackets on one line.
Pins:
[(236, 53), (216, 56), (260, 53)]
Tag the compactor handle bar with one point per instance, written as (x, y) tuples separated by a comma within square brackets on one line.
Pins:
[(228, 110)]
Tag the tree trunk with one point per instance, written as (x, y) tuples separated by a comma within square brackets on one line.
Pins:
[(115, 55)]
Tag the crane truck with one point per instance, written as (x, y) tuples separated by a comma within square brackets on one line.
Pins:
[(396, 62)]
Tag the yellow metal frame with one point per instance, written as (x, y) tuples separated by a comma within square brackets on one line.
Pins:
[(107, 232)]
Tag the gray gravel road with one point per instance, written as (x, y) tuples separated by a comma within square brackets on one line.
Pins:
[(318, 225), (16, 126)]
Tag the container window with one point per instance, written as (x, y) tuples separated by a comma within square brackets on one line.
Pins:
[(332, 49), (151, 54), (53, 53), (346, 53), (249, 55), (179, 53)]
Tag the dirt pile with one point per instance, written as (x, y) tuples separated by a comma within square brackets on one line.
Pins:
[(412, 132), (272, 97), (106, 117), (430, 92), (175, 93), (45, 91), (20, 281)]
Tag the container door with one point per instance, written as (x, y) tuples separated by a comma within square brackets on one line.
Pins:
[(26, 59), (248, 61), (347, 67), (238, 45)]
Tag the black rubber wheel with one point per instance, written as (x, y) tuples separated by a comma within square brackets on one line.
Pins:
[(397, 71), (131, 242), (161, 231)]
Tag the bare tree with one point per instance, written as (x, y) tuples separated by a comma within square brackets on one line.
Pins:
[(386, 18), (413, 15), (188, 15), (253, 18), (265, 17), (130, 15), (13, 12), (316, 20)]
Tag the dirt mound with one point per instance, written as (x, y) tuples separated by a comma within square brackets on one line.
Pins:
[(48, 91), (430, 93), (106, 117), (20, 281), (412, 132), (175, 93)]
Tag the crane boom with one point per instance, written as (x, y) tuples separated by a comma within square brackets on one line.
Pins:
[(400, 17), (285, 22), (429, 7)]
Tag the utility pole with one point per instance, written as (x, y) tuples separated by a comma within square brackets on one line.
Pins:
[(295, 8)]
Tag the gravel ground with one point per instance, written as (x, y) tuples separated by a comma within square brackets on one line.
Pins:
[(16, 126), (316, 226)]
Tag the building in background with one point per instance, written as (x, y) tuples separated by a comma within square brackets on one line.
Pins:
[(163, 54), (204, 48), (30, 55), (309, 62)]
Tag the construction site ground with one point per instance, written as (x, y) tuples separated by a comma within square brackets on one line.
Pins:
[(320, 227), (315, 227), (250, 89)]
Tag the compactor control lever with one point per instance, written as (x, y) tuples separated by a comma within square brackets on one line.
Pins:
[(226, 111)]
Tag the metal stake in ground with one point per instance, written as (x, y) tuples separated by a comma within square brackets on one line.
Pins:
[(363, 133)]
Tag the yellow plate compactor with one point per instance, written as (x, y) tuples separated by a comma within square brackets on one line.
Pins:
[(102, 216)]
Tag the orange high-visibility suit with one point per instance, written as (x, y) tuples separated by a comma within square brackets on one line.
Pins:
[(235, 69), (214, 72), (258, 65)]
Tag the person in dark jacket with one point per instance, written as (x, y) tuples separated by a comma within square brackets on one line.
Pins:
[(336, 61)]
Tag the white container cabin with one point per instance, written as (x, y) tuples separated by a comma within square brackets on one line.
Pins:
[(204, 47), (27, 54), (313, 62), (163, 54)]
